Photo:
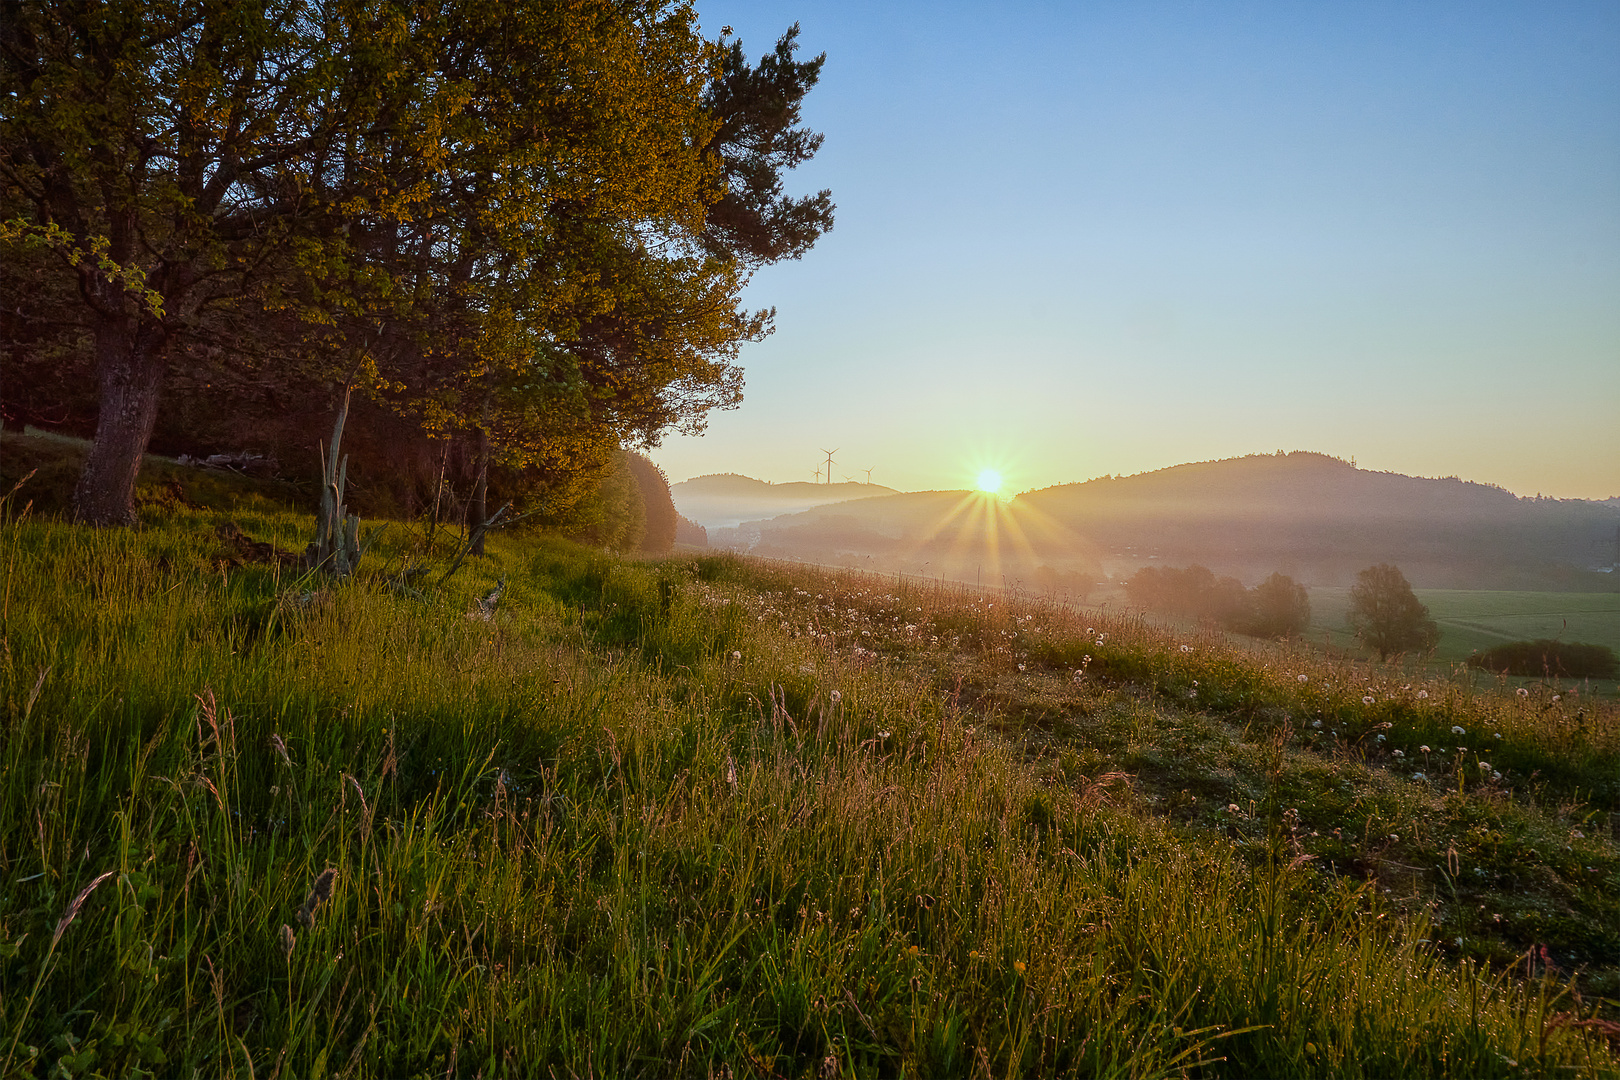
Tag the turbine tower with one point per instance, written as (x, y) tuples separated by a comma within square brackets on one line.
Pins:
[(868, 473), (829, 454)]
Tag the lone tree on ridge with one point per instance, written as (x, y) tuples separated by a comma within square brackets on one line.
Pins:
[(1385, 615)]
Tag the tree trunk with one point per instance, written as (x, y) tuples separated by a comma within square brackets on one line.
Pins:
[(480, 509), (130, 366)]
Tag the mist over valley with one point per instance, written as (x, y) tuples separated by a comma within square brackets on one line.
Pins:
[(1317, 518)]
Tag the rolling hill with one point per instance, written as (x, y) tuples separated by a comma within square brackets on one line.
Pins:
[(1314, 517)]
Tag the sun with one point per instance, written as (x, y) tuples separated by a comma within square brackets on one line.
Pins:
[(989, 481)]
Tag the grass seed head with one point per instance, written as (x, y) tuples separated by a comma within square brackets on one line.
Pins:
[(72, 911), (319, 893)]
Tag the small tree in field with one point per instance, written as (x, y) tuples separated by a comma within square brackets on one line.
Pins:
[(1281, 608), (1386, 616)]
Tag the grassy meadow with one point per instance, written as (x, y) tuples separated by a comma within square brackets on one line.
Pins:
[(566, 815)]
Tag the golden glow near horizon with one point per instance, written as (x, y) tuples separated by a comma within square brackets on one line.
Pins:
[(989, 481)]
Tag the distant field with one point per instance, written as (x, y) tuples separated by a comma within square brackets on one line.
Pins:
[(1471, 620)]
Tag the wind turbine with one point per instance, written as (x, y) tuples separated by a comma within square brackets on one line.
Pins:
[(868, 473), (829, 454)]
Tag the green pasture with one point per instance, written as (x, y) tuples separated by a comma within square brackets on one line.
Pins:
[(1472, 620)]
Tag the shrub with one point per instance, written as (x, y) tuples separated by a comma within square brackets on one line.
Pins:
[(1544, 657)]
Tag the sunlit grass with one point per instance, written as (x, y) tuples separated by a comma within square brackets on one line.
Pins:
[(713, 816)]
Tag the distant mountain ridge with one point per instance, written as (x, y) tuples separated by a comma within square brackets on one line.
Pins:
[(1310, 515), (1324, 516), (722, 500)]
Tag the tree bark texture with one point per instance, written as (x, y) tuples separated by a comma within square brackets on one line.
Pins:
[(480, 499), (130, 365)]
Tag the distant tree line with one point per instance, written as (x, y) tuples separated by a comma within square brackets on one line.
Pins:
[(520, 230), (1276, 608)]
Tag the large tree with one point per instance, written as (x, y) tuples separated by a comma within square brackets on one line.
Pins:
[(529, 221), (164, 155), (1386, 616)]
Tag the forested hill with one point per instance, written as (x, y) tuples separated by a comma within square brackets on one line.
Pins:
[(721, 500), (1326, 519)]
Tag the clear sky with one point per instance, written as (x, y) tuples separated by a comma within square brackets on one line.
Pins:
[(1106, 237)]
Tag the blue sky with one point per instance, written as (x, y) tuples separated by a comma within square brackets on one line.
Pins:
[(1079, 239)]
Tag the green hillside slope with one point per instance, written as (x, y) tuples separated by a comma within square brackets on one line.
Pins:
[(563, 814)]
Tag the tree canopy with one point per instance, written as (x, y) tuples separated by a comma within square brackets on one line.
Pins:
[(1386, 616), (1276, 608), (530, 221)]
